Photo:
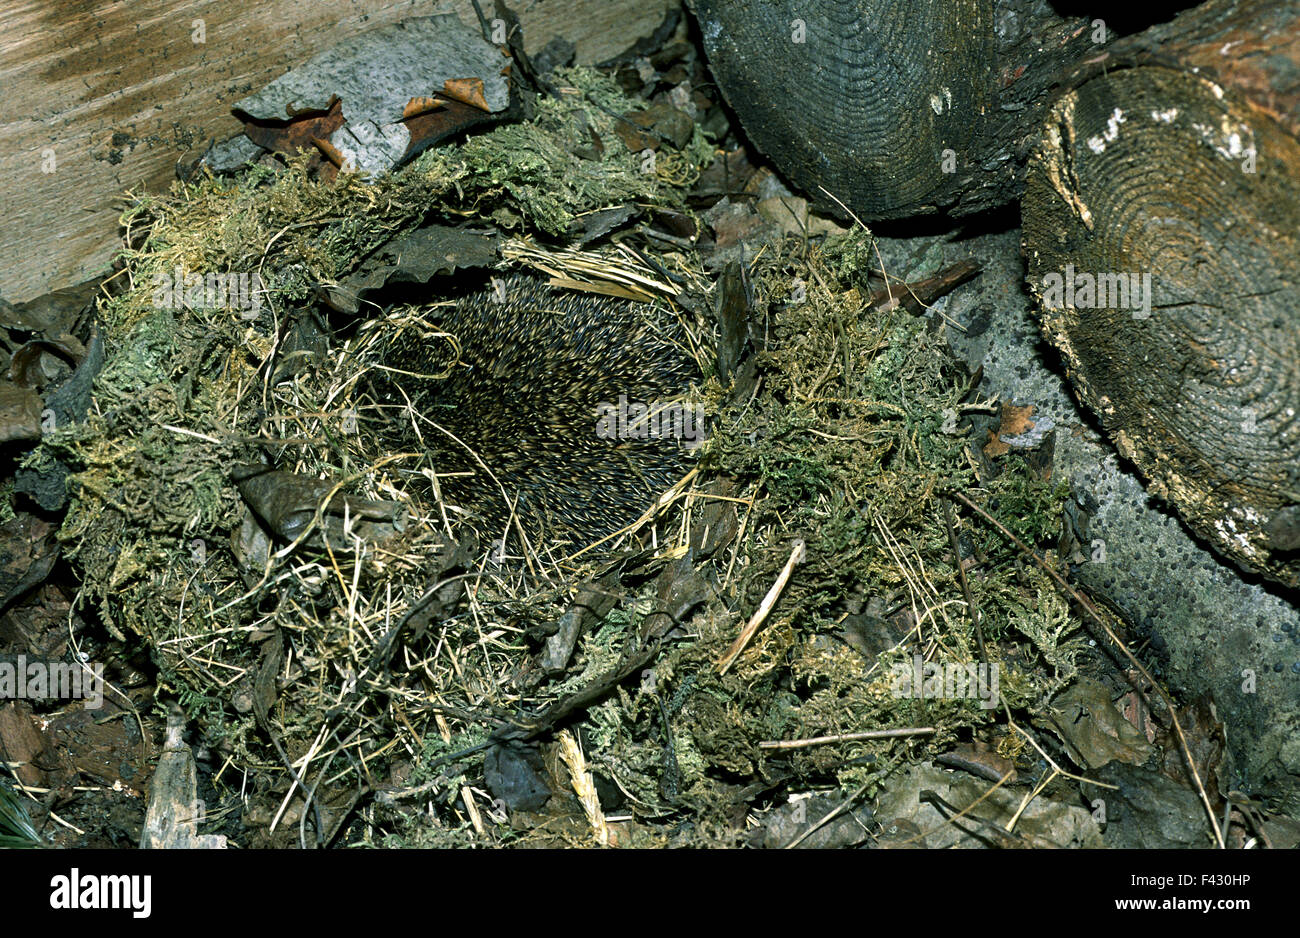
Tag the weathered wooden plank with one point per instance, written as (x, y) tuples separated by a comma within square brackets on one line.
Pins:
[(97, 97)]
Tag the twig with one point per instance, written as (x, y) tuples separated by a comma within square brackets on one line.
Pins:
[(844, 737), (965, 586), (796, 556)]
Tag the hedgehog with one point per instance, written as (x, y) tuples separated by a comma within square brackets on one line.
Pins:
[(564, 411)]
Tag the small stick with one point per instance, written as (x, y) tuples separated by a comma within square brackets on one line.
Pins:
[(796, 557), (476, 819), (844, 737), (965, 586)]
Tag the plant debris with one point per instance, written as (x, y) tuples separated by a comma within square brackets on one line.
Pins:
[(845, 587)]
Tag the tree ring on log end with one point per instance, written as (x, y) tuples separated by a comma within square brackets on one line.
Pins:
[(1160, 229), (841, 96)]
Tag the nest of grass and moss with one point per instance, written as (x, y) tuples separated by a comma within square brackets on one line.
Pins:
[(346, 660)]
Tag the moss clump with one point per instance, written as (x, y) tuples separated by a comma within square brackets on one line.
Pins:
[(849, 445), (846, 441), (330, 648), (544, 173), (192, 388)]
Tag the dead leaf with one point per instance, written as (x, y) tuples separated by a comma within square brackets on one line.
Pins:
[(467, 91), (298, 133), (651, 127), (1093, 729), (21, 742), (1015, 421), (417, 106), (367, 101), (20, 413)]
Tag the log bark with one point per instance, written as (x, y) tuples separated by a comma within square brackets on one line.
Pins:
[(895, 107), (1249, 45), (1176, 167)]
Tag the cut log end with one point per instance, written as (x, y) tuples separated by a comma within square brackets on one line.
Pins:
[(877, 107), (898, 107), (1160, 231)]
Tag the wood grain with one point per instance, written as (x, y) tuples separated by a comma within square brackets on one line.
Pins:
[(97, 97), (896, 107), (1162, 174)]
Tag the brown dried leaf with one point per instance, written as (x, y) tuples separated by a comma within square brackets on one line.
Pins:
[(20, 413), (467, 91), (1015, 421), (298, 133)]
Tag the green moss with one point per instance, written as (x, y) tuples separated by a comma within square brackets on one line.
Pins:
[(1029, 505), (849, 446), (547, 171), (7, 513), (852, 256)]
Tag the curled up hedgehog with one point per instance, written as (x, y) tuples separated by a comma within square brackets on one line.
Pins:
[(559, 413)]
